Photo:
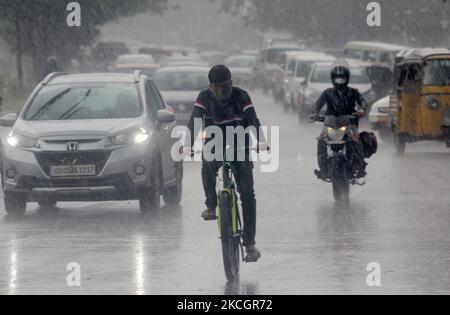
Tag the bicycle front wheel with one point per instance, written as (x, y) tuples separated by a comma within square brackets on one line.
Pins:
[(230, 239)]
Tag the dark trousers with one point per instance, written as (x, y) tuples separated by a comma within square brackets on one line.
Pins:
[(243, 173), (322, 155)]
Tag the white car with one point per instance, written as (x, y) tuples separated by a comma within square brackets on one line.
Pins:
[(91, 137), (180, 87), (363, 77), (242, 67), (379, 118), (298, 66)]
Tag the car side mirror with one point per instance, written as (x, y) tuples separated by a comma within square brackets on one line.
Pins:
[(165, 117), (8, 120)]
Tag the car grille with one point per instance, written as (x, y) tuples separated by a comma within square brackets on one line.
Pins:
[(48, 159), (77, 141)]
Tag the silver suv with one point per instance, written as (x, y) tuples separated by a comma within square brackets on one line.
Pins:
[(91, 137)]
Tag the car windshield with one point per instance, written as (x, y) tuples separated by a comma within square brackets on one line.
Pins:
[(274, 54), (181, 81), (437, 72), (76, 102), (240, 62), (303, 69), (135, 60), (322, 75)]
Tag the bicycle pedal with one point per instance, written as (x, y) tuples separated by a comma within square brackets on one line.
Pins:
[(252, 260), (357, 182)]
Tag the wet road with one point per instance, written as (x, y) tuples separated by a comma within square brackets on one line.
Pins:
[(400, 220)]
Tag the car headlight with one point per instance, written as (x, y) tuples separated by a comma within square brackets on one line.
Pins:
[(18, 140), (134, 137)]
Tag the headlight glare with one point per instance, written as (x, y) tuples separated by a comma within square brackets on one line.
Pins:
[(134, 137), (18, 140), (336, 134)]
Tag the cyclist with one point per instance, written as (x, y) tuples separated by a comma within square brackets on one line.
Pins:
[(223, 105)]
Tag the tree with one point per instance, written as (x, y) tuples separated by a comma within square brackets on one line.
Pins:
[(38, 28), (333, 22)]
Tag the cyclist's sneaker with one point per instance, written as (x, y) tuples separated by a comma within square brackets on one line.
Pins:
[(321, 175), (209, 215), (253, 254)]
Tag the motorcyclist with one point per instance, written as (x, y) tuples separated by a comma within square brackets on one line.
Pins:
[(223, 105), (341, 100)]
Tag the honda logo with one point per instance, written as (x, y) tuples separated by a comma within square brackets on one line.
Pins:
[(72, 146)]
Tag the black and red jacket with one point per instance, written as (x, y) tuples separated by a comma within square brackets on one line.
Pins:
[(239, 111)]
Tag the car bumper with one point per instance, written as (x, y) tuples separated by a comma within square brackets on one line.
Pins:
[(115, 180), (378, 121)]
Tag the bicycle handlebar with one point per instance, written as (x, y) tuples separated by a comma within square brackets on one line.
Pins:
[(253, 149)]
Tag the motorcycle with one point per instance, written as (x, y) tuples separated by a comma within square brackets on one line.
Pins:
[(340, 135)]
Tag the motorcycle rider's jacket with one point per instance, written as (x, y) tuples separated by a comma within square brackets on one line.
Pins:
[(341, 101)]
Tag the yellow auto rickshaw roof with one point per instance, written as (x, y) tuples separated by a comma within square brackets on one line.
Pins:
[(419, 55)]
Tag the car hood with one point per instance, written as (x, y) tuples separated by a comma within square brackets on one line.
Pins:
[(241, 71), (384, 102), (187, 97), (95, 127), (136, 66)]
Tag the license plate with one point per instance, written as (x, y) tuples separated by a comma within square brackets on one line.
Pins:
[(75, 170)]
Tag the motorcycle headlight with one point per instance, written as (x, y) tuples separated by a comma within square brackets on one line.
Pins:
[(336, 134), (18, 140), (134, 137)]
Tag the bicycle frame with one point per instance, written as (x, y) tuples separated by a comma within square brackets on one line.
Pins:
[(229, 187)]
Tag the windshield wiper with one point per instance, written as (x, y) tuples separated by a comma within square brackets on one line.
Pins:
[(69, 113), (49, 104)]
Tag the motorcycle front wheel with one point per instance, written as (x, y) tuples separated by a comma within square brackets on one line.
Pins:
[(341, 183)]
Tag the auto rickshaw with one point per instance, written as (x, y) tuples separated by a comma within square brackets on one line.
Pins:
[(420, 104)]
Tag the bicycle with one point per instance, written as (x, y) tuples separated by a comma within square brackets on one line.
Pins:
[(229, 222), (229, 218)]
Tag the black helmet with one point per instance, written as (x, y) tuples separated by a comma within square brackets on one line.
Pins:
[(340, 76)]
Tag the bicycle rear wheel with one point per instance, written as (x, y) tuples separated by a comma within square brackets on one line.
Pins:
[(230, 239)]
